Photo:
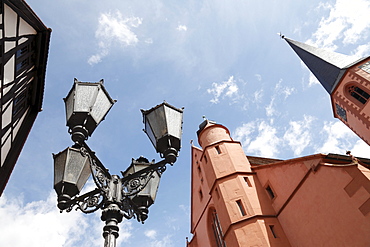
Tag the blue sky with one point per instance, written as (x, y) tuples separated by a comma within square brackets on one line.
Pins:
[(219, 59)]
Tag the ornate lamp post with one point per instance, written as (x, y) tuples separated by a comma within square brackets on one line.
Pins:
[(130, 195)]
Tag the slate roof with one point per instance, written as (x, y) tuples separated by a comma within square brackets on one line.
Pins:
[(328, 67)]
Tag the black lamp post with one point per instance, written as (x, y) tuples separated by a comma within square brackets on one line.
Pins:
[(130, 196)]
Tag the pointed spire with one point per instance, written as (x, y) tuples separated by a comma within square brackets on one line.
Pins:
[(327, 66)]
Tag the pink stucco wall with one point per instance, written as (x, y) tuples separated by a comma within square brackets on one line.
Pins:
[(318, 200)]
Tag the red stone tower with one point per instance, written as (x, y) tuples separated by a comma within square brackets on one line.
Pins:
[(238, 200), (228, 203), (347, 80)]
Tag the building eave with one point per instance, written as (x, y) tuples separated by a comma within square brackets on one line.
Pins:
[(334, 159)]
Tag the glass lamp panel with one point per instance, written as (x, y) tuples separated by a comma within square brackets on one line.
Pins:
[(174, 122), (85, 95), (101, 106), (84, 175), (77, 167), (69, 102), (151, 188), (157, 121), (135, 167), (150, 134), (59, 165)]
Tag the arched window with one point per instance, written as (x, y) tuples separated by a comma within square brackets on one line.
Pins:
[(358, 94), (215, 226)]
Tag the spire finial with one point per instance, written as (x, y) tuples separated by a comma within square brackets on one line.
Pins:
[(282, 36)]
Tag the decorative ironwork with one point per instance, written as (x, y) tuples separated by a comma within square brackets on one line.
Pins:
[(131, 185), (128, 196), (88, 203)]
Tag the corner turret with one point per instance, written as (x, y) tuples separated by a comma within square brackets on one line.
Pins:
[(210, 133)]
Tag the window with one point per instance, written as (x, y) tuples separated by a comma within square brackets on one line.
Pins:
[(365, 67), (205, 158), (341, 112), (270, 192), (247, 181), (241, 207), (217, 231), (358, 94), (22, 51), (217, 193), (272, 228), (20, 102), (22, 64), (218, 149), (200, 194)]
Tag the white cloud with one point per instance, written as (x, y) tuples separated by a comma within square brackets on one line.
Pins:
[(224, 89), (270, 110), (298, 136), (347, 20), (361, 149), (155, 242), (287, 91), (312, 80), (362, 50), (114, 29), (257, 96), (265, 143), (338, 138), (243, 133), (40, 222), (283, 90), (164, 242), (182, 28), (279, 90), (151, 234)]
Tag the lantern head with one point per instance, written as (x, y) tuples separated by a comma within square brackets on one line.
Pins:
[(163, 125), (87, 104)]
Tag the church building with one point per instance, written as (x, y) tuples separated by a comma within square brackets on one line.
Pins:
[(239, 200), (346, 79)]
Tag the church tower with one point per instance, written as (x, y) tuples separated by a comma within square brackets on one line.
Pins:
[(346, 79), (229, 206)]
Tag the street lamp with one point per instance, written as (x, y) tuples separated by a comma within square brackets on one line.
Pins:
[(86, 106), (130, 195), (163, 127)]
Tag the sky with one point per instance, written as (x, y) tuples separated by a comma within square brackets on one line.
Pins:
[(219, 59)]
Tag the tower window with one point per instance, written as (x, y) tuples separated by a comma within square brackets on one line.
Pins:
[(341, 112), (205, 158), (200, 194), (217, 231), (241, 207), (247, 181), (272, 228), (365, 67), (218, 149), (217, 193), (358, 94), (270, 192)]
